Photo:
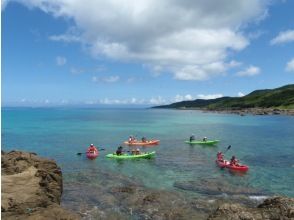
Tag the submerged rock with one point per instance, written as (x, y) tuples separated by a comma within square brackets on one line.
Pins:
[(215, 187), (31, 188), (270, 209)]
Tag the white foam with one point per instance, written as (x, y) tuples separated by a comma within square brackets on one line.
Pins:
[(258, 198)]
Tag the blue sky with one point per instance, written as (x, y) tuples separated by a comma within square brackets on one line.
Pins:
[(143, 52)]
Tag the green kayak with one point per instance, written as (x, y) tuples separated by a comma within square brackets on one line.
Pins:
[(130, 156), (202, 142)]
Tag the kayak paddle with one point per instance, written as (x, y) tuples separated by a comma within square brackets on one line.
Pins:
[(229, 147), (86, 152)]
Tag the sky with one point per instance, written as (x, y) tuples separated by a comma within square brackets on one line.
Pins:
[(148, 52)]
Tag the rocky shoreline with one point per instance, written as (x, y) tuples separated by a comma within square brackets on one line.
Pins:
[(256, 111), (32, 189), (247, 111)]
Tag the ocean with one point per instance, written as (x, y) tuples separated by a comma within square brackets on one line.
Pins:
[(264, 143)]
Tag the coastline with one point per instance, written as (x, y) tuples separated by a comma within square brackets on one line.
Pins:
[(242, 112), (32, 188)]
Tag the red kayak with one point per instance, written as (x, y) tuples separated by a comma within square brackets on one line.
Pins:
[(226, 164), (141, 143), (92, 154), (238, 167)]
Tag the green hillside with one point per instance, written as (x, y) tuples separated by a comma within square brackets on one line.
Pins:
[(280, 98)]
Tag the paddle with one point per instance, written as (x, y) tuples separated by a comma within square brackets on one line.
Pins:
[(229, 147), (86, 152)]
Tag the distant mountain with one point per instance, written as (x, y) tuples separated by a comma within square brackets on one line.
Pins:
[(279, 98)]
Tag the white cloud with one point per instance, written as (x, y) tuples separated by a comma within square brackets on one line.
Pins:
[(109, 79), (283, 37), (133, 100), (194, 46), (241, 94), (250, 71), (179, 98), (157, 101), (60, 61), (290, 66), (210, 96)]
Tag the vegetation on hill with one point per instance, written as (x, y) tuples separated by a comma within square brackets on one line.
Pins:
[(279, 98)]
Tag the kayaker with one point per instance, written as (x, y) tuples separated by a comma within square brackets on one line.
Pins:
[(144, 139), (220, 156), (137, 152), (205, 139), (92, 148), (233, 161), (131, 139), (192, 138), (119, 150)]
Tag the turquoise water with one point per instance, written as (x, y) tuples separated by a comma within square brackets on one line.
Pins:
[(265, 143)]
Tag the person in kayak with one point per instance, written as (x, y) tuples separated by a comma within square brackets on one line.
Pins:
[(144, 139), (119, 150), (135, 151), (234, 161), (192, 138), (92, 149), (205, 139), (220, 156), (138, 151), (132, 139)]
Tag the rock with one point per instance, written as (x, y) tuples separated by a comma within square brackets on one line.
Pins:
[(271, 209), (211, 186), (31, 188)]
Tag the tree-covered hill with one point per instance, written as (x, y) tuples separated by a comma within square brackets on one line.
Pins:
[(279, 98)]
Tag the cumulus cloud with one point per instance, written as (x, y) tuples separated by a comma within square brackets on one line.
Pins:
[(283, 37), (60, 61), (210, 96), (190, 39), (241, 94), (290, 66), (109, 79), (250, 71)]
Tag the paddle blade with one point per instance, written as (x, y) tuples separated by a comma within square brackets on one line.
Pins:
[(229, 147), (79, 154)]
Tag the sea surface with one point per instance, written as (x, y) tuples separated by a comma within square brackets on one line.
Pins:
[(265, 143)]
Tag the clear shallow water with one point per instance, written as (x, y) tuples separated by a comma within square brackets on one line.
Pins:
[(265, 143)]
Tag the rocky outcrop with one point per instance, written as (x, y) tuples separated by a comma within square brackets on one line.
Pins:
[(271, 209), (31, 188)]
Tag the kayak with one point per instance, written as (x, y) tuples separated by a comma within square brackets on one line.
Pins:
[(238, 167), (226, 164), (140, 143), (130, 156), (202, 142), (92, 155), (222, 163)]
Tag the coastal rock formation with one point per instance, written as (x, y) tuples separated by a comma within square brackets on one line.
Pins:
[(31, 188), (270, 209)]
